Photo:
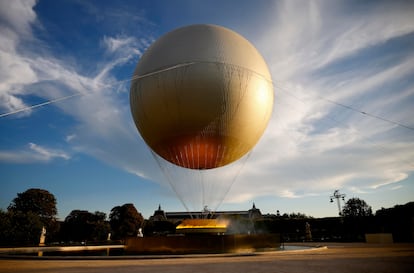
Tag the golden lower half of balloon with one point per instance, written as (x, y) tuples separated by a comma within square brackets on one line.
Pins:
[(200, 152)]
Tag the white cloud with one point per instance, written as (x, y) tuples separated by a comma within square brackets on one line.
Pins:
[(15, 72), (311, 146), (47, 154), (119, 43), (69, 138), (396, 187), (32, 154), (104, 126), (303, 37), (122, 49), (18, 15)]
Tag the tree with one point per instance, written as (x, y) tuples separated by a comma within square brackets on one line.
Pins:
[(28, 213), (82, 225), (293, 215), (18, 228), (398, 220), (357, 219), (356, 207), (299, 215), (161, 227), (38, 201), (6, 226), (125, 221)]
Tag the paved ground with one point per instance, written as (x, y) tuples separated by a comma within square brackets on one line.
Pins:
[(336, 258)]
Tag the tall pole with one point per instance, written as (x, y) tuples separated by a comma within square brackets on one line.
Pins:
[(337, 195)]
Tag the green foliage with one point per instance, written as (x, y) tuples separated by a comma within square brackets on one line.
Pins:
[(19, 228), (356, 207), (125, 221), (82, 225), (398, 220), (6, 233), (25, 217), (299, 215), (292, 215), (153, 228), (38, 201)]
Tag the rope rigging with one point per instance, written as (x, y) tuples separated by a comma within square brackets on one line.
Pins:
[(205, 186), (343, 105)]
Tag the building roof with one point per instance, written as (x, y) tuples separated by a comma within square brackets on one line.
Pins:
[(252, 213)]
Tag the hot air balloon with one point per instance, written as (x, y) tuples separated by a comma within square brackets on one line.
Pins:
[(201, 96)]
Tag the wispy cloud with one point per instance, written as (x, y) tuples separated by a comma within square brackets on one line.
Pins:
[(115, 44), (322, 56), (33, 153), (47, 154), (104, 129), (15, 72), (18, 16), (318, 53), (322, 33)]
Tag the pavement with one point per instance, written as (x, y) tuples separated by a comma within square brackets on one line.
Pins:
[(329, 257)]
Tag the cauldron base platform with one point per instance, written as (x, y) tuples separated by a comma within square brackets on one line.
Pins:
[(193, 244)]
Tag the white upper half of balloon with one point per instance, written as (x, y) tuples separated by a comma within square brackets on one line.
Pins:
[(202, 43)]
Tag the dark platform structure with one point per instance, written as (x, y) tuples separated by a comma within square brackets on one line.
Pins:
[(205, 232), (202, 243)]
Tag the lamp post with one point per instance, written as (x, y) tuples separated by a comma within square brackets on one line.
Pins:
[(337, 195)]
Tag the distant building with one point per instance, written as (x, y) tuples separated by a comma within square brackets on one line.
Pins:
[(175, 217), (159, 215)]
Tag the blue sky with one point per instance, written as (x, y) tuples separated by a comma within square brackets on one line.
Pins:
[(343, 74)]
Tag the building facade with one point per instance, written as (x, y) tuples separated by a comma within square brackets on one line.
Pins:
[(178, 216)]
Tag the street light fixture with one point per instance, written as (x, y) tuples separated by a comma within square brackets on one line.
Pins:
[(337, 195)]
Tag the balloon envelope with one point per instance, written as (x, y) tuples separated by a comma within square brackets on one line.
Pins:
[(201, 96)]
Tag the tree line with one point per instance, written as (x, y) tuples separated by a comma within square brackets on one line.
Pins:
[(356, 220), (22, 223), (30, 211)]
